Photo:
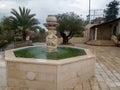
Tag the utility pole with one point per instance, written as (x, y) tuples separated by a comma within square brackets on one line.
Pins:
[(89, 9)]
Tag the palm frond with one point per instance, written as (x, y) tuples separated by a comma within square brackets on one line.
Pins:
[(24, 19)]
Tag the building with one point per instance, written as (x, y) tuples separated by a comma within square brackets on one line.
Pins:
[(105, 31), (98, 20)]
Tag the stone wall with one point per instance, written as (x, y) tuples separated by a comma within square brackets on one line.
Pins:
[(78, 40), (42, 74), (25, 76), (74, 40), (72, 75), (69, 76), (104, 33), (22, 43)]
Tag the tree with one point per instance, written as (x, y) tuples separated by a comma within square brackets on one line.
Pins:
[(6, 32), (112, 10), (69, 24), (23, 21), (0, 28), (5, 27)]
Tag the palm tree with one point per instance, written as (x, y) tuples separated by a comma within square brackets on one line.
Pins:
[(23, 21)]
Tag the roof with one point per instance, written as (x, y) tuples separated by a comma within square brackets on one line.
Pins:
[(88, 26), (105, 23)]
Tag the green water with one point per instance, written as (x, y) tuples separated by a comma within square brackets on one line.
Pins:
[(41, 53)]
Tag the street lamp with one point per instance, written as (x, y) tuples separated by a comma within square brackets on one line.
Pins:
[(89, 9)]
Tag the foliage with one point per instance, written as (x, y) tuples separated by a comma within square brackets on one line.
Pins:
[(69, 24), (23, 21), (78, 35), (3, 43), (0, 28), (42, 30), (5, 26), (6, 31), (112, 10)]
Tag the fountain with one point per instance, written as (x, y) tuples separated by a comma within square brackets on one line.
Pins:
[(59, 72), (51, 39)]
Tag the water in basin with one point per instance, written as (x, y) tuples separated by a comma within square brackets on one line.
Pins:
[(41, 53)]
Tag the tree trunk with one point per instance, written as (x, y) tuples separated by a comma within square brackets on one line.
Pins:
[(65, 38), (24, 35)]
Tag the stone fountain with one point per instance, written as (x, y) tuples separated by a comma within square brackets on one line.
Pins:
[(51, 39), (48, 74)]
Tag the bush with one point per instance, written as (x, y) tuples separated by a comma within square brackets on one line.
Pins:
[(18, 39), (78, 35), (10, 39), (3, 43)]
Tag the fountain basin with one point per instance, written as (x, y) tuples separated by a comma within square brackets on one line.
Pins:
[(43, 74), (41, 52)]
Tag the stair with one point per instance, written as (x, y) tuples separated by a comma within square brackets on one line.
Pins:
[(101, 42)]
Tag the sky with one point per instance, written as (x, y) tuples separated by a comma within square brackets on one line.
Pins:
[(43, 8)]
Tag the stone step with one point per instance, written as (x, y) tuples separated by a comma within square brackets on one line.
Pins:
[(101, 42)]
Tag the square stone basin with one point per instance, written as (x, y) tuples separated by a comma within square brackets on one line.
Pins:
[(42, 74)]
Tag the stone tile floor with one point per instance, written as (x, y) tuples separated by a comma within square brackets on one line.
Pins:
[(107, 69)]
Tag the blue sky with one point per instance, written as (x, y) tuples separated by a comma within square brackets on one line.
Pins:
[(42, 8)]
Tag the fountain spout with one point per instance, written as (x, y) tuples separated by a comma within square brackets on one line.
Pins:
[(51, 39)]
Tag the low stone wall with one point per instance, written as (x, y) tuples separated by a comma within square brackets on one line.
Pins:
[(22, 43), (72, 75), (78, 40), (74, 40), (26, 76), (101, 42), (69, 76)]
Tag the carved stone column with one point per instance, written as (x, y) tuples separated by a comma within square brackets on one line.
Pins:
[(51, 39)]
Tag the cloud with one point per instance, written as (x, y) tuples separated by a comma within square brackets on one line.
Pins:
[(7, 5), (42, 8)]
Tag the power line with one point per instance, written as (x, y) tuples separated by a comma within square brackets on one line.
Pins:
[(99, 13)]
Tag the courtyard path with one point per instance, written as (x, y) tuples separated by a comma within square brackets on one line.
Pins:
[(107, 69)]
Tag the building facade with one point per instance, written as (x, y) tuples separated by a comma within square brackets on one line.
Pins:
[(105, 31)]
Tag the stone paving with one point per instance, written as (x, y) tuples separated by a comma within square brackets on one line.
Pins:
[(107, 71), (2, 71)]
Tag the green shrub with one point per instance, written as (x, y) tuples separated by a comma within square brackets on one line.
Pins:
[(10, 39), (78, 35), (3, 43), (18, 39)]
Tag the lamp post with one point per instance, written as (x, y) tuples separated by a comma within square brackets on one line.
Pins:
[(89, 9)]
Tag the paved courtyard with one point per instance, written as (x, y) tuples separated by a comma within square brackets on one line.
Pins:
[(107, 69)]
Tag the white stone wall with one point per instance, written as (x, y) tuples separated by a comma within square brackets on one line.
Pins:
[(78, 40), (71, 76), (31, 76), (49, 77)]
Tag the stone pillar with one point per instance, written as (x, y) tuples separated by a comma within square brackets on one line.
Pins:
[(51, 39), (96, 33)]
